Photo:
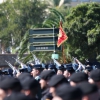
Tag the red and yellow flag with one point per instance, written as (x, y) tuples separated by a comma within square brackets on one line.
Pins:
[(62, 36)]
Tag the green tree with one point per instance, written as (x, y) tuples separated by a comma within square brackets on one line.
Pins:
[(83, 28), (18, 16)]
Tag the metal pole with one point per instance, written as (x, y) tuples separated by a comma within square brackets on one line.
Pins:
[(0, 47), (54, 38), (63, 53)]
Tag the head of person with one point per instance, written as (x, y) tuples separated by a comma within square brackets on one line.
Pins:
[(36, 70), (45, 77), (2, 94), (68, 72), (30, 87), (90, 91), (60, 70), (46, 67), (94, 77), (52, 67), (88, 69), (16, 65), (24, 75), (77, 78), (55, 82), (67, 92), (10, 84), (17, 96)]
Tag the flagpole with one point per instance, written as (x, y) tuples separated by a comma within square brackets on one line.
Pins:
[(54, 38), (62, 44), (63, 53), (54, 41)]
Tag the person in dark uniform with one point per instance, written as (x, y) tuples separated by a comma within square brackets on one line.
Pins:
[(94, 77), (52, 67), (67, 92), (45, 77), (77, 78), (31, 88), (55, 82), (60, 70), (68, 72), (90, 91), (17, 96), (36, 70), (10, 84)]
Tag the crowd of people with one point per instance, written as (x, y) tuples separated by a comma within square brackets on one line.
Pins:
[(51, 83)]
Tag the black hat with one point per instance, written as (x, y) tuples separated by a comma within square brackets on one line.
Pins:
[(67, 92), (11, 83), (17, 96), (47, 74), (29, 84), (57, 79), (79, 77), (3, 77), (95, 75), (88, 88), (23, 75)]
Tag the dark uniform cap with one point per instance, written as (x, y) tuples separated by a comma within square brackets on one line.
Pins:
[(17, 96), (67, 92), (70, 69), (46, 66), (11, 83), (95, 75), (57, 79), (60, 67), (87, 88), (29, 84), (51, 66), (38, 66), (89, 68), (79, 77), (69, 65), (23, 70), (47, 74)]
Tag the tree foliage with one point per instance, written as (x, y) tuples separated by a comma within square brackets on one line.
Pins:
[(17, 16), (83, 28)]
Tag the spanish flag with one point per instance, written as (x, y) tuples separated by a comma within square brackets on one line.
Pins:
[(62, 36)]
